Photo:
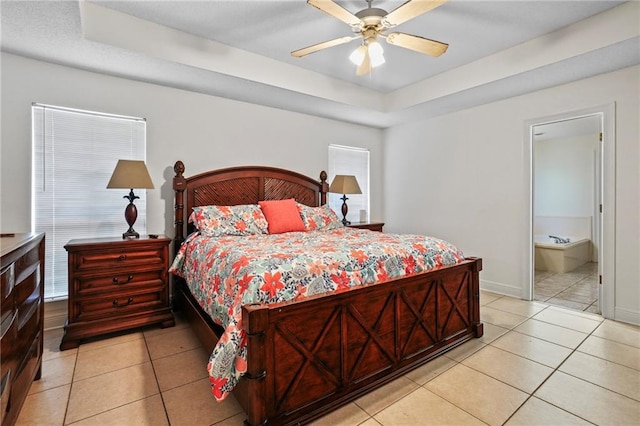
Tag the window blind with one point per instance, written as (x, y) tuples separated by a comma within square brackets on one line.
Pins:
[(347, 160), (74, 155)]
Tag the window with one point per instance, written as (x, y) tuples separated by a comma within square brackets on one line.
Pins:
[(347, 160), (74, 155)]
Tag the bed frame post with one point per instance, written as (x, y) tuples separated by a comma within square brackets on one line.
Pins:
[(255, 322), (478, 327), (324, 188), (179, 185)]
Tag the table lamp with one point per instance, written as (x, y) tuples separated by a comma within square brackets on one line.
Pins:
[(130, 174), (345, 184)]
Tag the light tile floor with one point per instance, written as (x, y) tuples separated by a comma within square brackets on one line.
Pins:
[(535, 365), (577, 289)]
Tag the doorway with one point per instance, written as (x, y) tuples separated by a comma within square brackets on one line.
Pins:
[(567, 164), (574, 194)]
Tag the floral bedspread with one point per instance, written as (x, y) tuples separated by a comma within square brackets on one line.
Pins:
[(227, 272)]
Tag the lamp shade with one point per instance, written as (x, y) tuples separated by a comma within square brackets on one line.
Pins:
[(376, 53), (130, 174), (345, 184), (357, 56)]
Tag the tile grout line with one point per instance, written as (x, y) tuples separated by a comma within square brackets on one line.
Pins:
[(155, 376), (66, 408), (574, 283), (531, 395), (554, 372), (91, 377), (428, 390), (487, 375)]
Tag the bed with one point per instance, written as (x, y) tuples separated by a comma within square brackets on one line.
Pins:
[(307, 357)]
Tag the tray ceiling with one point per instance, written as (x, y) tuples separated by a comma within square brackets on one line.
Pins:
[(241, 50)]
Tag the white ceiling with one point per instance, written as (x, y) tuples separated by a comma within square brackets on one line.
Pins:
[(241, 50), (473, 29)]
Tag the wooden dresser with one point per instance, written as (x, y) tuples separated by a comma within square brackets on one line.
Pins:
[(21, 312), (116, 284)]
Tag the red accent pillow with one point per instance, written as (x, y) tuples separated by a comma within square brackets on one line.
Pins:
[(282, 216)]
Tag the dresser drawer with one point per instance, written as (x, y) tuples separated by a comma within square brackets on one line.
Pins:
[(7, 302), (7, 312), (27, 263), (8, 343), (117, 305), (5, 391), (28, 321), (94, 260), (118, 281), (26, 371), (28, 329), (7, 281), (21, 275), (27, 294)]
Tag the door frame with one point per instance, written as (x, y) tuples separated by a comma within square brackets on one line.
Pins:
[(606, 252)]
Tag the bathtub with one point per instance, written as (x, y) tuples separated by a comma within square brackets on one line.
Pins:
[(561, 258)]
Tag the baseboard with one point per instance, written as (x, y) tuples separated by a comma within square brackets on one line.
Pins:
[(55, 314), (627, 315), (500, 288)]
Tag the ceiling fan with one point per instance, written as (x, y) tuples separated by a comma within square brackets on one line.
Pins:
[(372, 23)]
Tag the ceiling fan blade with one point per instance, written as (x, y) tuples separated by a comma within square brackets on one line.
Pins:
[(365, 67), (335, 10), (324, 45), (417, 43), (410, 10)]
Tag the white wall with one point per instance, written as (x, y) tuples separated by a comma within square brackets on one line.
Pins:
[(463, 176), (459, 176), (205, 132), (564, 171)]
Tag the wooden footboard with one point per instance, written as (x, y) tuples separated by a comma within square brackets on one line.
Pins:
[(307, 358)]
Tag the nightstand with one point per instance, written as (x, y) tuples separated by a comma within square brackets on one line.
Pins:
[(116, 284), (372, 226)]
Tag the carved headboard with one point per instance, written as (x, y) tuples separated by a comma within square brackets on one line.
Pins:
[(241, 185)]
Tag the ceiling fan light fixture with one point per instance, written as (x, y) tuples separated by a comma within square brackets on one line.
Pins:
[(376, 53), (372, 23), (357, 56)]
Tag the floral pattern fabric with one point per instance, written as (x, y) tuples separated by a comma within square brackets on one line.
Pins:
[(227, 272), (216, 221), (318, 218)]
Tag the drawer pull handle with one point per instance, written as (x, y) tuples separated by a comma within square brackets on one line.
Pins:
[(116, 304), (117, 281), (122, 257)]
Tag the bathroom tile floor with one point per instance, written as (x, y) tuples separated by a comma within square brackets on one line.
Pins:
[(577, 289), (535, 365)]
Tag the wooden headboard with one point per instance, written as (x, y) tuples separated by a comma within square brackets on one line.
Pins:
[(241, 185)]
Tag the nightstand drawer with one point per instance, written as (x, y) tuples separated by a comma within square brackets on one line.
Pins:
[(118, 281), (117, 305), (91, 260)]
